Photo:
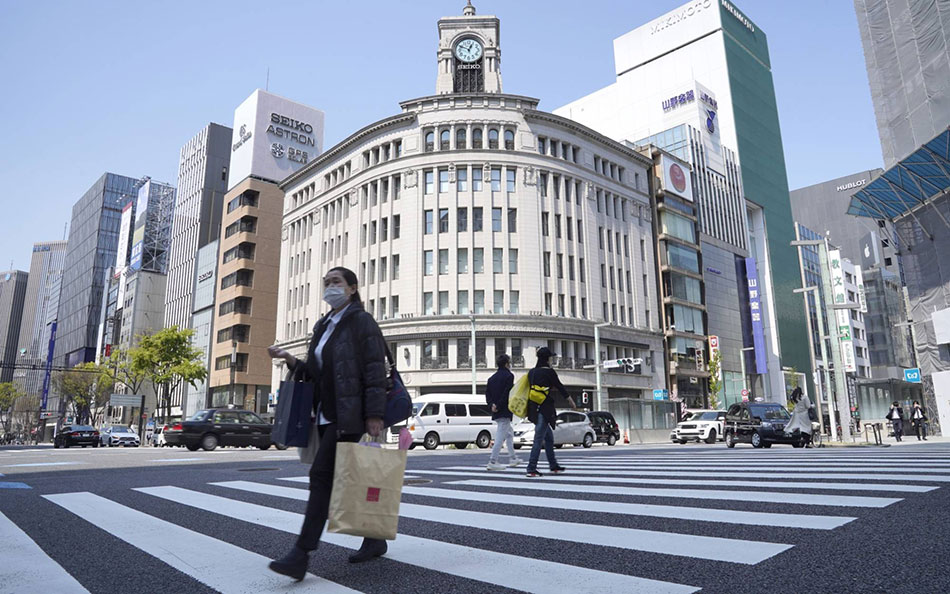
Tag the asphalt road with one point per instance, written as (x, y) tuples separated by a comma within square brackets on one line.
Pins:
[(623, 519)]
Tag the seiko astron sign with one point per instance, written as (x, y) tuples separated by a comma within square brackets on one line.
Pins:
[(273, 137)]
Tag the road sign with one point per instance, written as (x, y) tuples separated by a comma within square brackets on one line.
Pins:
[(745, 394), (125, 400), (612, 364), (660, 395), (912, 375)]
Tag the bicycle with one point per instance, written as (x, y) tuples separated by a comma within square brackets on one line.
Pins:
[(816, 439)]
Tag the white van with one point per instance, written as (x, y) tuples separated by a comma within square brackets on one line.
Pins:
[(458, 419)]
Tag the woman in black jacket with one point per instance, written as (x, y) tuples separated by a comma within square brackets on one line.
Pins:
[(346, 363)]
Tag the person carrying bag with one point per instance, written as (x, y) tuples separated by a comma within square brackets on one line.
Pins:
[(345, 362)]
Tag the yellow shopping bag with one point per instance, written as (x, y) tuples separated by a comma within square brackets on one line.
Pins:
[(518, 397), (367, 486)]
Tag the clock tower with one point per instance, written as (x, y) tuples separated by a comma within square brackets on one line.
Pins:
[(469, 54)]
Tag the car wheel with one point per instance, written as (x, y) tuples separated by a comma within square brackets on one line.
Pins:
[(431, 440), (757, 440), (66, 445), (264, 447), (55, 445), (730, 440), (84, 446), (412, 446), (517, 446), (611, 440), (559, 445), (712, 436), (588, 440), (192, 448), (483, 440), (95, 445), (209, 442), (798, 444)]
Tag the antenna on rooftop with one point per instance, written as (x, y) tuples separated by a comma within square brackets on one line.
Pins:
[(267, 81)]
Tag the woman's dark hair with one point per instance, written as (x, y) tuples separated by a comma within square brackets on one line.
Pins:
[(350, 277), (796, 395)]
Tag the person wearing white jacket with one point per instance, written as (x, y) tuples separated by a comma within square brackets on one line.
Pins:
[(800, 421)]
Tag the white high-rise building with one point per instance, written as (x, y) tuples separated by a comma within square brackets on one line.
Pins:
[(46, 270), (203, 167)]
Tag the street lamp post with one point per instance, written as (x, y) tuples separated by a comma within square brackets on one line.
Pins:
[(824, 356), (597, 363), (233, 365), (474, 368)]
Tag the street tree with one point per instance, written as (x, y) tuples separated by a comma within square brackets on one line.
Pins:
[(171, 360), (85, 388), (715, 379), (9, 394)]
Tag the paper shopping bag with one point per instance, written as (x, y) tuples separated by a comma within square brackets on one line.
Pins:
[(367, 486), (309, 454), (518, 397), (292, 419)]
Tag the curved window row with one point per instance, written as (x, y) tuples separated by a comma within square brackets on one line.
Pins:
[(492, 136)]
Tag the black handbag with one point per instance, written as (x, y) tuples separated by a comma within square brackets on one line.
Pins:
[(398, 401), (292, 417), (812, 414)]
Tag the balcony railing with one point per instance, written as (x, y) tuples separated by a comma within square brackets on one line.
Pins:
[(435, 363)]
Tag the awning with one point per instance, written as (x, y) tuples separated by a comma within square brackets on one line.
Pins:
[(919, 177)]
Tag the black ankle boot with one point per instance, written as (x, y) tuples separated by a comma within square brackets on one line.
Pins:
[(293, 564), (371, 549)]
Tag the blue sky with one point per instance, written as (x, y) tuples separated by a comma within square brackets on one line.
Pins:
[(120, 86)]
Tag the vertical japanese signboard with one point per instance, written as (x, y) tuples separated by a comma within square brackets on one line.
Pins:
[(862, 296), (755, 310), (842, 316)]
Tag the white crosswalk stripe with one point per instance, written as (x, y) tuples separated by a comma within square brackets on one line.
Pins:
[(691, 509)]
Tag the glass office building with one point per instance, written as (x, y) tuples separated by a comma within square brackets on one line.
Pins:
[(90, 252)]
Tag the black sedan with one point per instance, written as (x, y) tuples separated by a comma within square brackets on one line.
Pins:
[(81, 435), (213, 427), (758, 423)]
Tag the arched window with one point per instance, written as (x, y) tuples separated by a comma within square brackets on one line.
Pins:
[(477, 138), (430, 141), (509, 140), (460, 138), (444, 140), (492, 138)]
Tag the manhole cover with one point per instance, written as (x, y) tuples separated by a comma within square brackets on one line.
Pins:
[(256, 469), (416, 481)]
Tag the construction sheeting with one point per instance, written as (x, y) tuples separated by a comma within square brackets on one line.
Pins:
[(908, 60)]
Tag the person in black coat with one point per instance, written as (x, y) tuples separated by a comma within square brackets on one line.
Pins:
[(918, 418), (346, 363), (544, 416), (496, 395), (896, 417)]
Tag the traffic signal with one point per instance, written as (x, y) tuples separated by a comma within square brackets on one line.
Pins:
[(630, 364)]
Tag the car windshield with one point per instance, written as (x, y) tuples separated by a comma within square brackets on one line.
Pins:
[(121, 430), (768, 413), (198, 416), (705, 416)]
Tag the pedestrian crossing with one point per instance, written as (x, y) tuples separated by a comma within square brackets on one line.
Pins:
[(618, 520)]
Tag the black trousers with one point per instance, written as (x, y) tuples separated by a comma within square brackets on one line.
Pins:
[(321, 485), (920, 428), (898, 428)]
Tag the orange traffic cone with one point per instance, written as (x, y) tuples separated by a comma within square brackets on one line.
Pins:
[(626, 438)]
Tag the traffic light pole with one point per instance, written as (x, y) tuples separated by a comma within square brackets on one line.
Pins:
[(598, 397)]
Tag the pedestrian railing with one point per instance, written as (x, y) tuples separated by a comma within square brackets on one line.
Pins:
[(875, 429)]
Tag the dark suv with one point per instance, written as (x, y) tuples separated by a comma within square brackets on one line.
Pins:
[(605, 426), (212, 427), (81, 435), (758, 423)]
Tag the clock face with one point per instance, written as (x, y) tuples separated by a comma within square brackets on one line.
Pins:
[(468, 50)]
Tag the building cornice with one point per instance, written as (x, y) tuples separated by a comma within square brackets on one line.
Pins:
[(340, 147), (550, 118), (436, 98)]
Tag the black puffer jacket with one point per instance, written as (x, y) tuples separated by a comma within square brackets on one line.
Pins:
[(359, 369)]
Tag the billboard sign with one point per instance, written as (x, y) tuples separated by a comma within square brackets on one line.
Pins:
[(125, 228), (912, 375), (676, 177), (842, 316), (755, 313), (273, 137), (138, 233), (862, 296)]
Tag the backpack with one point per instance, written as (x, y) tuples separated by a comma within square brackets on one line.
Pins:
[(537, 394)]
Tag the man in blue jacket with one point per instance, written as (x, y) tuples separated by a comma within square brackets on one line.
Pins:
[(496, 395)]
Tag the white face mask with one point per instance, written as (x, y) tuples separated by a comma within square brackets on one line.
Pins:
[(335, 296)]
